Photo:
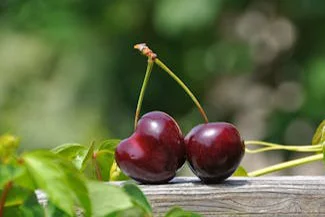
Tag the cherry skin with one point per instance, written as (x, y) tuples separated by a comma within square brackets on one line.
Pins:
[(154, 152), (214, 151)]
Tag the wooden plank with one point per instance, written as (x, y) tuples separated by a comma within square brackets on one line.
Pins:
[(264, 196), (267, 196)]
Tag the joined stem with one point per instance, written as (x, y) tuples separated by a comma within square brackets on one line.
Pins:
[(262, 143), (146, 51), (274, 146), (143, 90), (186, 89), (255, 151), (285, 165)]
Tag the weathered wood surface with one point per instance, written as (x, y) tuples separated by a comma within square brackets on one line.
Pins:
[(265, 196)]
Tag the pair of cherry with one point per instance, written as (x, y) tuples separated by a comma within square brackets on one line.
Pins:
[(157, 148)]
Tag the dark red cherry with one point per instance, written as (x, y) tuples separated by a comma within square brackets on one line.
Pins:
[(214, 151), (154, 152)]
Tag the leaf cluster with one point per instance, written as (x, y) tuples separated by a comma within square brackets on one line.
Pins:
[(67, 175)]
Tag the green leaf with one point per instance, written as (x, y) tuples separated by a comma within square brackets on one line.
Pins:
[(68, 148), (138, 198), (17, 195), (88, 156), (24, 180), (179, 212), (9, 172), (107, 199), (62, 183), (240, 172), (54, 211), (109, 144), (31, 207), (76, 153), (132, 212), (12, 211), (17, 173), (319, 136)]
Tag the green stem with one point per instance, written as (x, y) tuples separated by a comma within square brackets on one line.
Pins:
[(285, 165), (143, 89), (186, 89), (262, 143), (255, 151), (274, 146), (5, 192), (97, 169)]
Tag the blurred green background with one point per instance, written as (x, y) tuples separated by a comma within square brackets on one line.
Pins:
[(69, 73)]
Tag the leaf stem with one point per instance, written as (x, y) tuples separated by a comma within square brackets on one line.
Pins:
[(142, 92), (186, 89), (285, 165), (5, 192), (97, 169)]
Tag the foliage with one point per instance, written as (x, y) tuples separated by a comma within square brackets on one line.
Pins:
[(179, 212), (240, 172), (67, 74), (319, 136), (61, 173)]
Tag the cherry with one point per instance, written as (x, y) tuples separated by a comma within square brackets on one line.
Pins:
[(154, 152), (214, 151)]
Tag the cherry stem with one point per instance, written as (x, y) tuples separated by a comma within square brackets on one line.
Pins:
[(262, 143), (255, 151), (143, 90), (274, 146), (186, 89), (5, 192), (146, 51), (285, 165)]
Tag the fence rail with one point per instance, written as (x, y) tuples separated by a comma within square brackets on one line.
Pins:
[(265, 196)]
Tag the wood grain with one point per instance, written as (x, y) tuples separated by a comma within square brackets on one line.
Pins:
[(265, 196)]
